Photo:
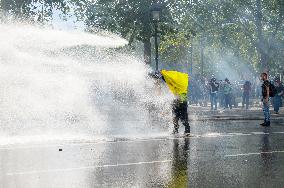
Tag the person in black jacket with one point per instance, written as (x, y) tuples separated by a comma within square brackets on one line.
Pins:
[(214, 87), (265, 99)]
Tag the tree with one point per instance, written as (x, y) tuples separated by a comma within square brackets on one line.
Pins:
[(41, 10), (130, 18), (261, 23), (251, 29)]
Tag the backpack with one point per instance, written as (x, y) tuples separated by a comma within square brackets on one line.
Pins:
[(272, 90)]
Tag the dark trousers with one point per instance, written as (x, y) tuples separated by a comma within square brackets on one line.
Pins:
[(277, 103), (246, 100), (213, 100), (222, 100), (228, 102), (180, 113)]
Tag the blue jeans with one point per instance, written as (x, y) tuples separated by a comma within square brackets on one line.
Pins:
[(228, 101), (246, 100), (277, 103), (266, 113), (222, 99), (213, 100)]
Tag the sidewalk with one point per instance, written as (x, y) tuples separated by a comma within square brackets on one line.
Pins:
[(199, 113)]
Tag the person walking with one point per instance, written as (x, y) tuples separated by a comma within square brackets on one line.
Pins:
[(214, 87), (228, 90), (265, 99), (246, 94), (277, 98)]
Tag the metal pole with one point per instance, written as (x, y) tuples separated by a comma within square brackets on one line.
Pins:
[(156, 46), (191, 56), (202, 56), (42, 11)]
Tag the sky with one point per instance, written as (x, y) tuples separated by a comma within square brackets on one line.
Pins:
[(70, 24)]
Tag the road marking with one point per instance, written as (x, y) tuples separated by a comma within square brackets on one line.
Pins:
[(261, 133), (278, 132), (240, 134), (259, 153), (84, 168)]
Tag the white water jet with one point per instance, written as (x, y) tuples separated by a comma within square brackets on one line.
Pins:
[(59, 85)]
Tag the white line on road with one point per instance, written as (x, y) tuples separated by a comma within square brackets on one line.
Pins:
[(259, 133), (84, 168), (240, 134), (278, 132), (259, 153)]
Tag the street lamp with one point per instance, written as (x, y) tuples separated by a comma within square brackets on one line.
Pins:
[(156, 11), (190, 38)]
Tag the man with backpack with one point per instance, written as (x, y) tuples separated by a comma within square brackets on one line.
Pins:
[(214, 87), (265, 99), (268, 90)]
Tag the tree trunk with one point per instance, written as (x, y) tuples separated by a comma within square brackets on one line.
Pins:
[(191, 57), (147, 51), (264, 62), (262, 48), (202, 55)]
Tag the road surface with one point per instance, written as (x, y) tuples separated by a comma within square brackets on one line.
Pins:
[(221, 154)]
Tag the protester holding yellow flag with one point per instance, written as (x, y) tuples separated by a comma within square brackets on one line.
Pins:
[(178, 85)]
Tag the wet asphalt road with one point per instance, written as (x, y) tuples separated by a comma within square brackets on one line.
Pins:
[(222, 154)]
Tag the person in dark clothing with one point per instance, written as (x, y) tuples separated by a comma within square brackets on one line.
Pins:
[(228, 93), (178, 84), (265, 99), (246, 94), (214, 87), (221, 94), (277, 98), (180, 113)]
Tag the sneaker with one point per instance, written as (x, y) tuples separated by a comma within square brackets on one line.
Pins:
[(263, 124), (276, 112), (175, 132), (186, 133)]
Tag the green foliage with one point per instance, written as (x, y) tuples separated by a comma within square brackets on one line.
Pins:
[(131, 19), (174, 47), (29, 9), (250, 30)]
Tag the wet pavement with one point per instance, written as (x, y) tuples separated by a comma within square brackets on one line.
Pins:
[(220, 154), (198, 113)]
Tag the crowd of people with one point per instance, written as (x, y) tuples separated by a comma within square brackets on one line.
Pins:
[(221, 94), (226, 94)]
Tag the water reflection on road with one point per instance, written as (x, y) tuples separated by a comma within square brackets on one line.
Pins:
[(179, 174), (265, 155)]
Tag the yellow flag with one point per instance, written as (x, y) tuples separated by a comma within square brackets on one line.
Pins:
[(176, 81)]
